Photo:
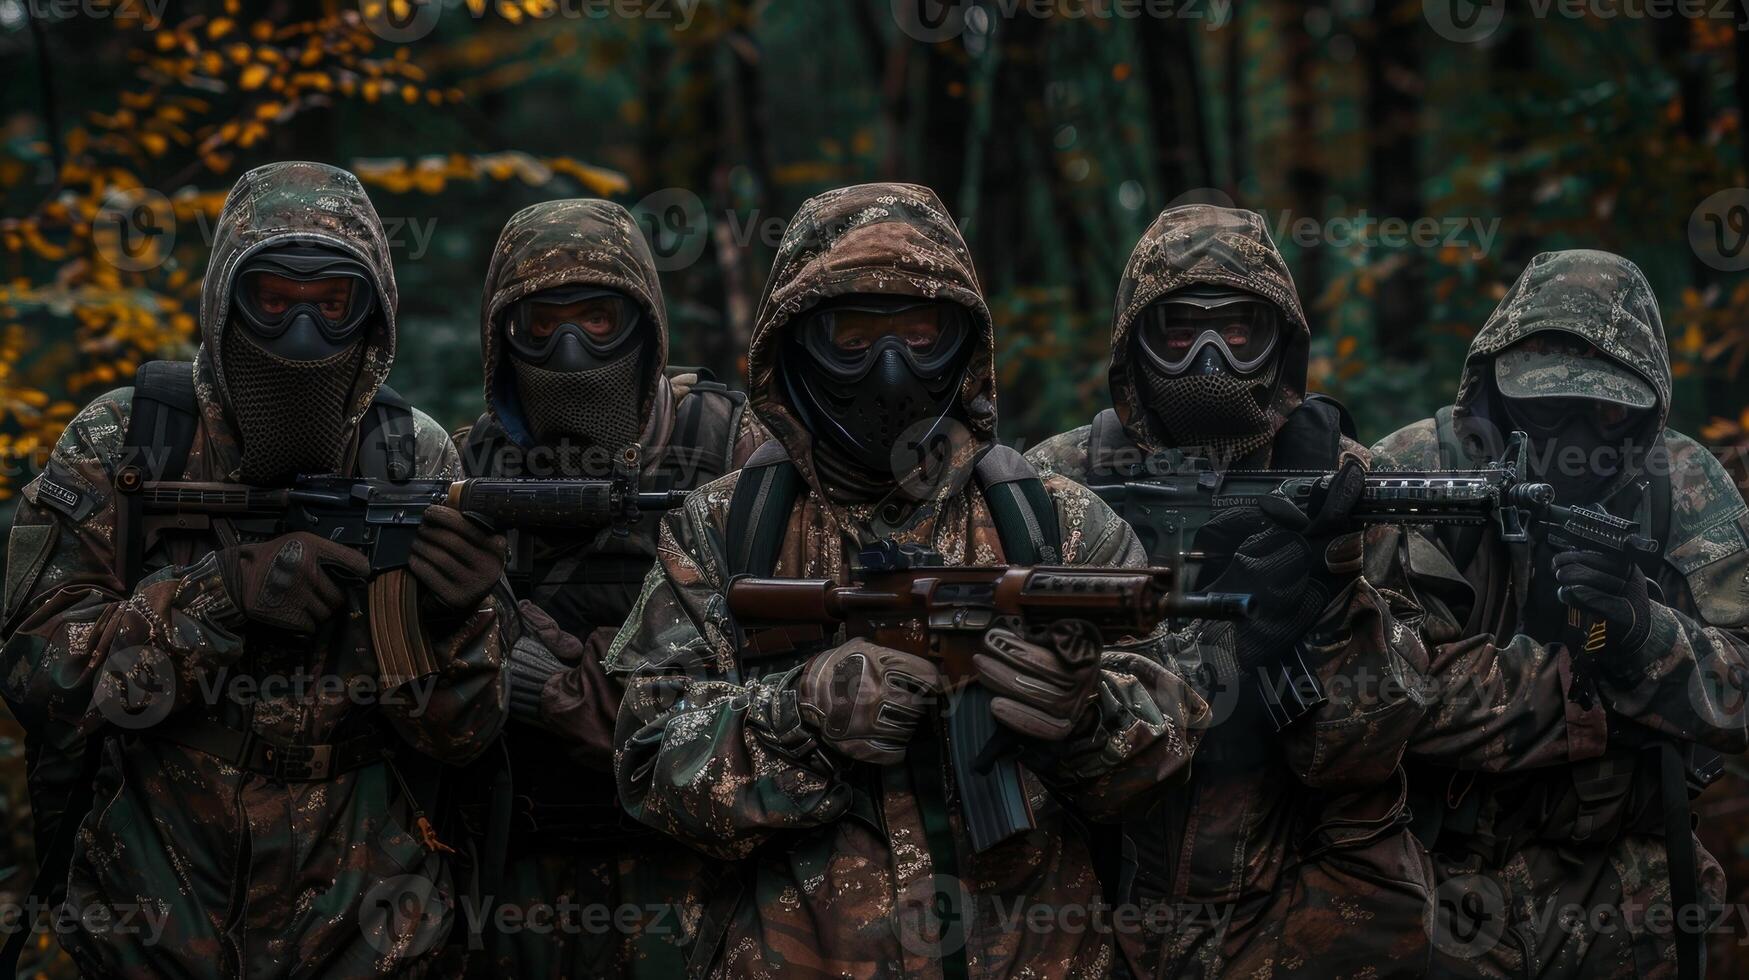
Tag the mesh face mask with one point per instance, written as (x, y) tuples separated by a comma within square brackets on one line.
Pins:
[(598, 406), (291, 414), (1206, 359)]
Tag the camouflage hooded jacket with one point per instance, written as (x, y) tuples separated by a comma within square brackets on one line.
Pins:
[(241, 874), (837, 871), (1239, 841), (1517, 710), (595, 243)]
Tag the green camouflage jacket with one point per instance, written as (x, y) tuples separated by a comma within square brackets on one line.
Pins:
[(1287, 854), (233, 874), (836, 877), (1550, 801)]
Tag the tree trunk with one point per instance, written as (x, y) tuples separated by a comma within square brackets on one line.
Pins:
[(1306, 182), (1394, 88), (1181, 148)]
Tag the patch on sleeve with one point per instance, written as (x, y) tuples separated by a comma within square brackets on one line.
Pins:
[(26, 551), (59, 489), (1717, 542)]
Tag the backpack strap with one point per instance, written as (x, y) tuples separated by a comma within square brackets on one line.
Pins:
[(706, 425), (1106, 442), (759, 510), (1025, 517), (161, 427), (388, 448)]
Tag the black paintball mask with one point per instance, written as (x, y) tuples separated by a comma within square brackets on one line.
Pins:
[(866, 370), (1207, 361), (577, 356), (292, 349)]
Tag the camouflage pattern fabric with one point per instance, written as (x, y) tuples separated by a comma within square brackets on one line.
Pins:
[(1285, 855), (594, 890), (216, 870), (834, 872), (1552, 862)]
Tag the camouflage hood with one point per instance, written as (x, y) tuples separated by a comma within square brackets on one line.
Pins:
[(1194, 245), (1596, 296), (890, 238), (584, 242), (273, 205)]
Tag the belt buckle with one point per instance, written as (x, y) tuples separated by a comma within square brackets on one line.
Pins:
[(299, 763)]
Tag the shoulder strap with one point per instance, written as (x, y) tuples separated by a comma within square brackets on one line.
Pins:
[(1105, 440), (1658, 492), (388, 448), (759, 510), (1311, 438), (702, 446), (1025, 517), (161, 427)]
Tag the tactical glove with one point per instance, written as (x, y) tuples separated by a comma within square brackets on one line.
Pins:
[(1043, 685), (294, 582), (540, 653), (1275, 566), (865, 701), (1610, 587), (456, 560)]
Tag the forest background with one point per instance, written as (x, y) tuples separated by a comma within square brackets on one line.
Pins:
[(1409, 155)]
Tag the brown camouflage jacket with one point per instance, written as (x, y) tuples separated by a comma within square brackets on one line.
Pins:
[(1549, 791), (235, 874), (836, 877)]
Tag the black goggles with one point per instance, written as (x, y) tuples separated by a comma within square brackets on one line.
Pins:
[(1612, 421), (603, 321), (335, 291), (846, 338)]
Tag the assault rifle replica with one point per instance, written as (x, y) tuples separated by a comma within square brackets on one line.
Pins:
[(380, 518), (901, 596), (1179, 495)]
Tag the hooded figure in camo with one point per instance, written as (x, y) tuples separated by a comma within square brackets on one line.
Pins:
[(568, 834), (1281, 841), (1544, 772), (227, 869), (839, 866)]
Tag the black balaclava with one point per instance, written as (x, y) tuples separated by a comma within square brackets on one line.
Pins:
[(576, 385), (867, 371), (291, 362), (1208, 359)]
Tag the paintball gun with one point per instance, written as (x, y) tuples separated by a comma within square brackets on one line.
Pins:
[(901, 596), (380, 518)]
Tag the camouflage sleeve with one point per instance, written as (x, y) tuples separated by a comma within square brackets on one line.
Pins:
[(1369, 660), (80, 648), (1150, 719), (748, 437), (697, 752), (1496, 706), (468, 701), (1689, 680)]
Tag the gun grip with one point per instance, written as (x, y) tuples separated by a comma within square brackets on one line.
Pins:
[(992, 797), (395, 631)]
